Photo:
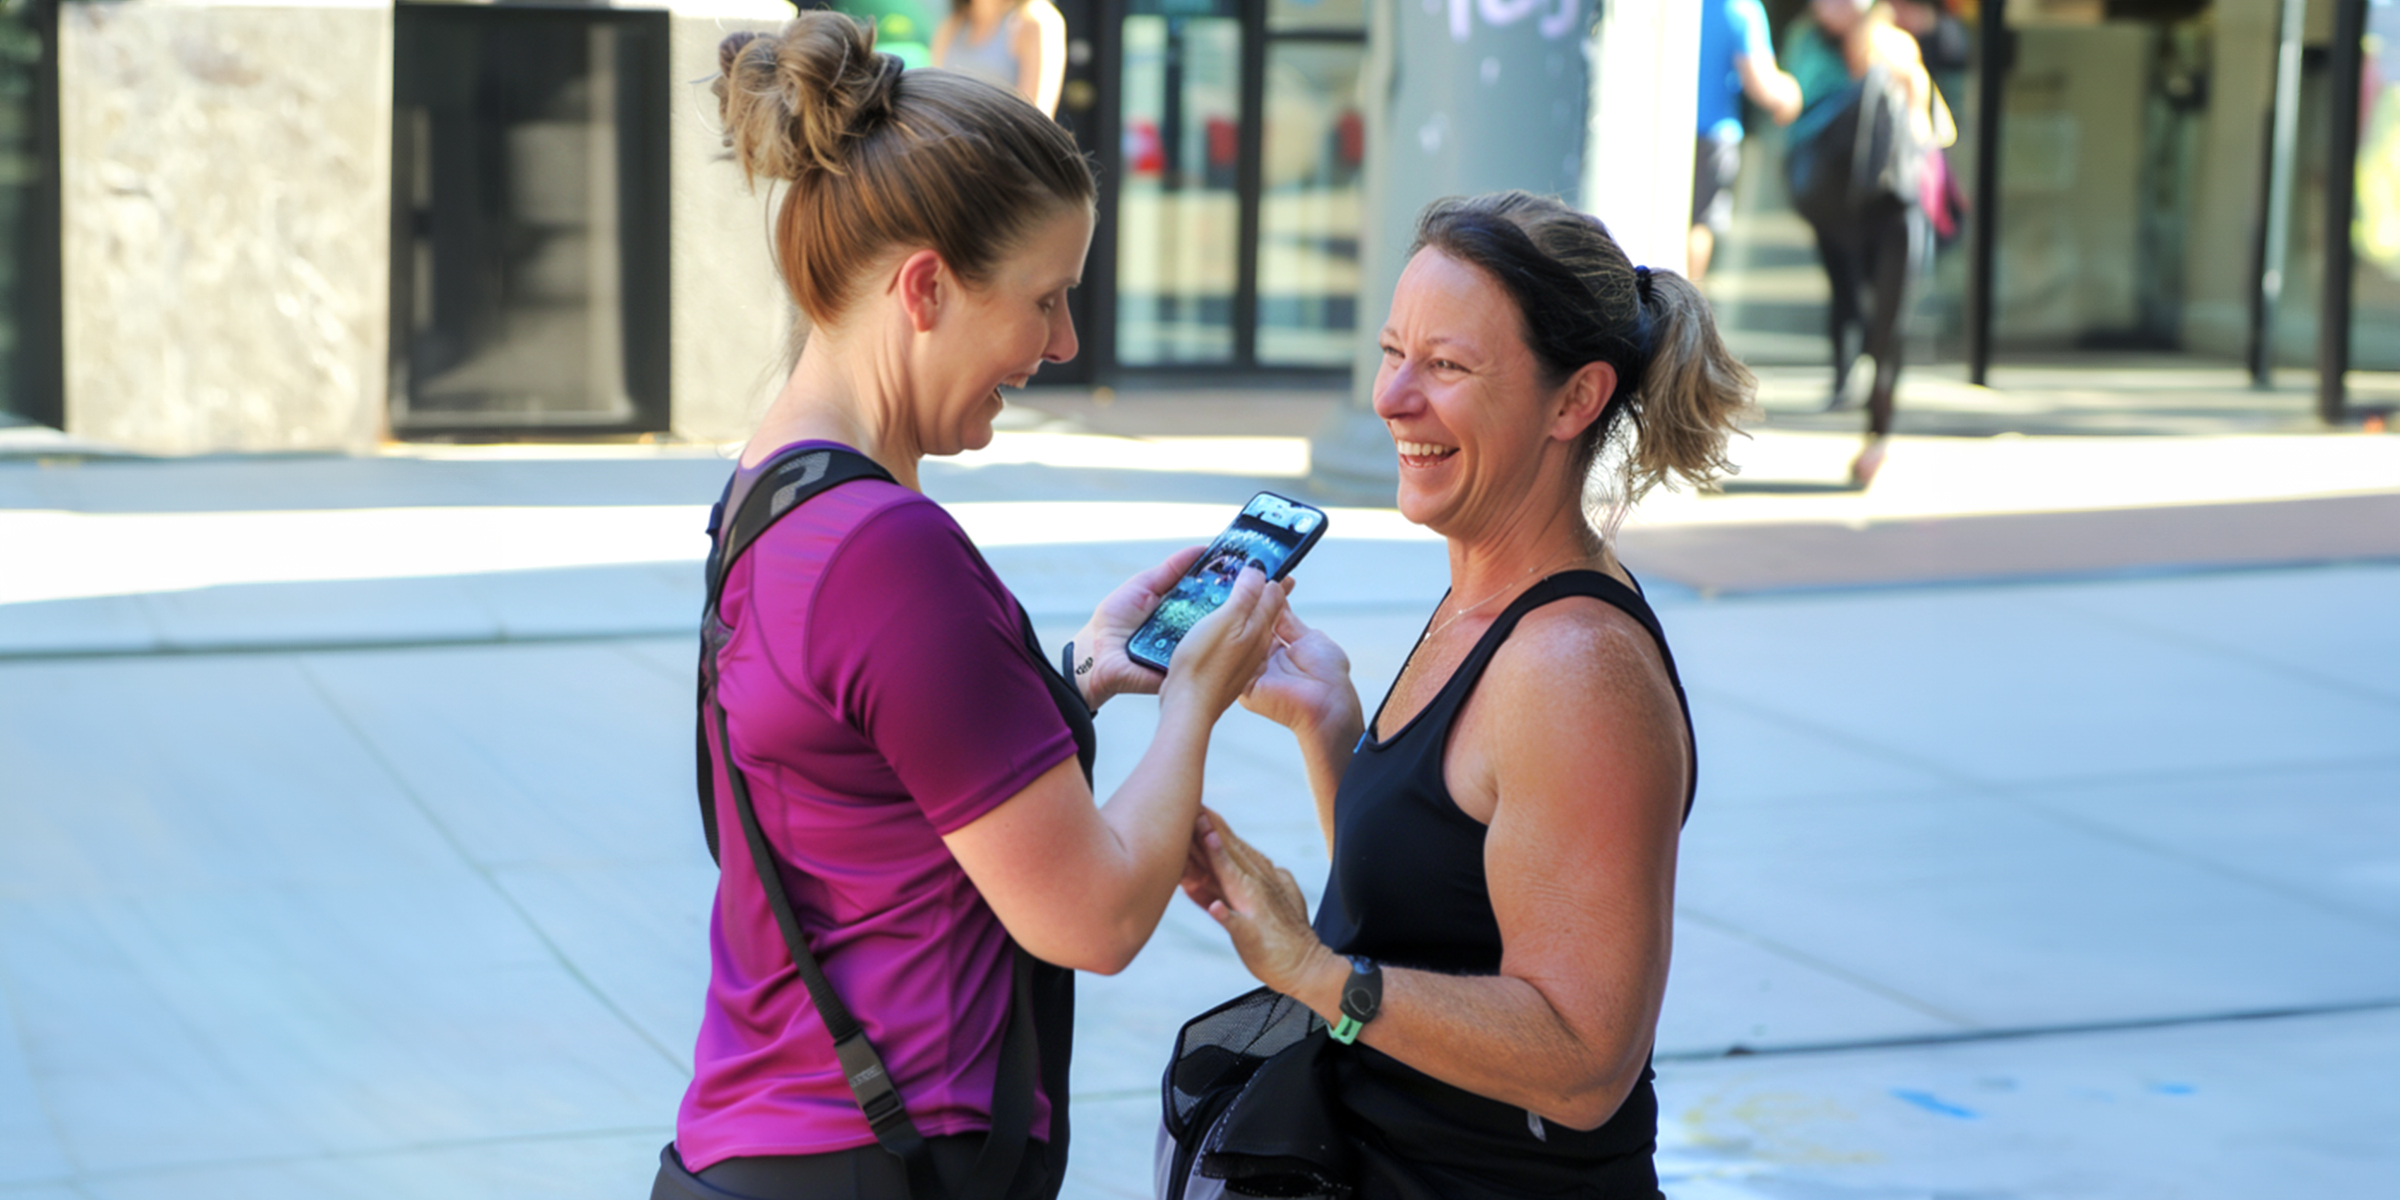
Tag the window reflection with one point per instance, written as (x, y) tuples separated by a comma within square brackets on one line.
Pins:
[(1334, 16), (1179, 207), (1309, 210)]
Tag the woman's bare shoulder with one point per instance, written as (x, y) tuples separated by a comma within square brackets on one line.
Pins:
[(1574, 659), (1578, 635), (1578, 708)]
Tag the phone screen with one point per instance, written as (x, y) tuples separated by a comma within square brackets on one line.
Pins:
[(1271, 532)]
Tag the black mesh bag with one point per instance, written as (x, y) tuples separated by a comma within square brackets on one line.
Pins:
[(1262, 1056)]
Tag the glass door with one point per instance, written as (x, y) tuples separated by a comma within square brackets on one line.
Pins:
[(529, 179), (1179, 206), (1237, 200), (1309, 199)]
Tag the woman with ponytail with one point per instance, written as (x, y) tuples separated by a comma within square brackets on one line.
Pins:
[(1471, 1012), (912, 864)]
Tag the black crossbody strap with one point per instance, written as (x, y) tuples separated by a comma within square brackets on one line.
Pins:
[(787, 480), (783, 486), (870, 1084)]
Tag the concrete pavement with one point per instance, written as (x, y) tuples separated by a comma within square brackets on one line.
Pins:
[(346, 843)]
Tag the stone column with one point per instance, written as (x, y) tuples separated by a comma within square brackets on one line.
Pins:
[(732, 321), (225, 218), (1645, 110), (1468, 96)]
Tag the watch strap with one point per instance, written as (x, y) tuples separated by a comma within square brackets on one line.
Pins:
[(1362, 998)]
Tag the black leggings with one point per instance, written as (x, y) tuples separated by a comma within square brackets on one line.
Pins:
[(1871, 249), (866, 1173)]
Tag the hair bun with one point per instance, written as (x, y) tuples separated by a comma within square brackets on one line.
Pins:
[(793, 102), (731, 48)]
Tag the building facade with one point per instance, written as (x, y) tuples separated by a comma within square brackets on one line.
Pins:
[(317, 224)]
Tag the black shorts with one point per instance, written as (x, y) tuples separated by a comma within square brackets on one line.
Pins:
[(1716, 163), (866, 1173)]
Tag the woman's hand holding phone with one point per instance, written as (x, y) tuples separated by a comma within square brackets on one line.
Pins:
[(1102, 669), (1227, 650), (1306, 686)]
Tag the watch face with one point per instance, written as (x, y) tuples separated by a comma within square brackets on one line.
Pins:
[(1363, 994)]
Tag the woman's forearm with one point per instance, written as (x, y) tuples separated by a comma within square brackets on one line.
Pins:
[(1150, 817), (1326, 751), (1497, 1036)]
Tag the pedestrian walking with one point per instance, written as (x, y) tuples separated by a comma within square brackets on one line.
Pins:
[(1017, 44), (1857, 161), (1472, 1011), (1737, 59), (912, 859)]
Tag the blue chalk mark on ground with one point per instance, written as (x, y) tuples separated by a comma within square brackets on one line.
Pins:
[(1933, 1104), (2173, 1089)]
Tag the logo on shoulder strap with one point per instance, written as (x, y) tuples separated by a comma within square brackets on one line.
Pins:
[(812, 468)]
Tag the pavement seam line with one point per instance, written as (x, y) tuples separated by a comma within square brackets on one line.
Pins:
[(490, 879), (58, 1133), (255, 1161), (2273, 666), (1989, 789), (500, 637), (340, 646), (2030, 802), (2027, 1032), (2066, 577), (647, 663), (1777, 716), (1802, 958)]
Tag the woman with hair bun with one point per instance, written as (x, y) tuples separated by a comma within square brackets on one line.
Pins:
[(1472, 1011), (912, 863)]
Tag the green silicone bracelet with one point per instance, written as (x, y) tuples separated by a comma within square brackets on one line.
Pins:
[(1346, 1030)]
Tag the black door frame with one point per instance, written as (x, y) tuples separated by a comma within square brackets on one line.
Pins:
[(37, 382), (1092, 40), (2341, 200)]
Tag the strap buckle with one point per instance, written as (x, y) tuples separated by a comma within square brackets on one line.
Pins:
[(872, 1085)]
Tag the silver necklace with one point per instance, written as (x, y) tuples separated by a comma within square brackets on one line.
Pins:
[(1427, 636)]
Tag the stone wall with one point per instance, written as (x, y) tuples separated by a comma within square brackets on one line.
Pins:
[(731, 317), (226, 192), (226, 223)]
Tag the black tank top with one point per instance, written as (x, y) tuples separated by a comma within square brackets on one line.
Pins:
[(1408, 889)]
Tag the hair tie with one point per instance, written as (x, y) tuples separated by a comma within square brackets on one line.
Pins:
[(1641, 282)]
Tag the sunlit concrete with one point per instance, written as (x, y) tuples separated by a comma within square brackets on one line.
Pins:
[(1995, 890)]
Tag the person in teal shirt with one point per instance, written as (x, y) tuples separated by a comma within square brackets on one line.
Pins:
[(1737, 59)]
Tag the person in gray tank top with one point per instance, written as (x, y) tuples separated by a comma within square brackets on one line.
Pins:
[(1018, 44)]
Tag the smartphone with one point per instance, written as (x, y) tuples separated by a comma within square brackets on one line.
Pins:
[(1271, 532)]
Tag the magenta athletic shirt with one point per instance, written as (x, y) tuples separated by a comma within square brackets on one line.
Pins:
[(878, 693)]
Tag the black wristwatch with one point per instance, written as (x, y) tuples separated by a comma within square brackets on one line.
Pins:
[(1362, 998)]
